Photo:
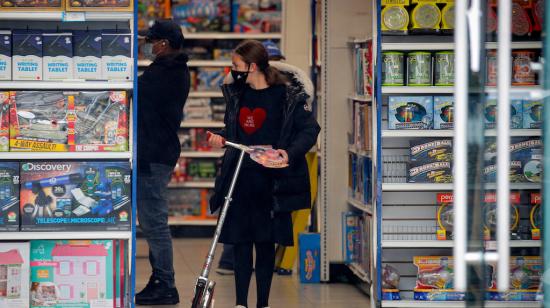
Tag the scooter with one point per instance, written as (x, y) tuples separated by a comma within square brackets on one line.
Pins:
[(204, 287)]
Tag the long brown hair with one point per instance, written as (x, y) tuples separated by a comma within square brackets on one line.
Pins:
[(252, 51)]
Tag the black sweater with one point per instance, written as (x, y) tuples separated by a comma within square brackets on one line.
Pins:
[(162, 91)]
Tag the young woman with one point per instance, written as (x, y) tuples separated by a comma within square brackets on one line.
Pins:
[(262, 109)]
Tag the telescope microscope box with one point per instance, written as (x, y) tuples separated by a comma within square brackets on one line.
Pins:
[(9, 196)]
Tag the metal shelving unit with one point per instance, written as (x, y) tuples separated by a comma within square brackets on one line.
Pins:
[(367, 208), (450, 244), (175, 221), (404, 187), (456, 304), (417, 90), (84, 235), (360, 98), (359, 272)]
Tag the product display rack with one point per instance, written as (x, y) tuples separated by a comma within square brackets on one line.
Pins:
[(60, 20)]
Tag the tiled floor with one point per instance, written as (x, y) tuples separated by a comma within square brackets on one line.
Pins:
[(286, 292)]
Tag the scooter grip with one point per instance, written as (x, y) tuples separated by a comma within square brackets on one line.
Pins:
[(209, 134)]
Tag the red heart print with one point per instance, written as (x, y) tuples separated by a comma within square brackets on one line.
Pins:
[(251, 120)]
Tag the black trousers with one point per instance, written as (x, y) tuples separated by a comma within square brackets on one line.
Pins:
[(265, 262)]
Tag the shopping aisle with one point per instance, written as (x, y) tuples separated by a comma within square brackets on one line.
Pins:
[(287, 292)]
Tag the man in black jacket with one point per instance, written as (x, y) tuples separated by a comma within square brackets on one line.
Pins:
[(162, 91)]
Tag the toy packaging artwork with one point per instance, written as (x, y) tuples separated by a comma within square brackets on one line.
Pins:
[(32, 4), (197, 109), (203, 16), (58, 56), (445, 216), (207, 79), (38, 121), (9, 196), (490, 215), (63, 196), (116, 57), (27, 55), (5, 55), (525, 160), (253, 16), (437, 172), (532, 114), (5, 101), (390, 283), (352, 237), (430, 150), (87, 54), (73, 274), (444, 112), (14, 274), (490, 113), (410, 112), (434, 281), (97, 5), (101, 121), (310, 257), (525, 279), (535, 215)]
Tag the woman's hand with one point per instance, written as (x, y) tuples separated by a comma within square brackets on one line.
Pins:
[(284, 154), (215, 141)]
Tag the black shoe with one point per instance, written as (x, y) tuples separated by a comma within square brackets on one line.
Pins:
[(157, 293)]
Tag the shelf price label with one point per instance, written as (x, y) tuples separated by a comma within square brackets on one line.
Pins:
[(73, 16)]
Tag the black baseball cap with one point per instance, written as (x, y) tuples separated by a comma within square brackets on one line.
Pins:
[(165, 30)]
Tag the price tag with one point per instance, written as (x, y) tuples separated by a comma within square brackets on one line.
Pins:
[(73, 16)]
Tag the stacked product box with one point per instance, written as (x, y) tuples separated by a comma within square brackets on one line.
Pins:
[(14, 274), (9, 196), (410, 112), (525, 160), (32, 4), (490, 113), (5, 54), (352, 237), (27, 55), (443, 112), (532, 114), (63, 196), (430, 161), (100, 5), (434, 281), (525, 279), (116, 57), (58, 56), (87, 54), (360, 173)]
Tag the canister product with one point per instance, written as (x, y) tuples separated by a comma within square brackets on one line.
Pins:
[(426, 16), (393, 68), (522, 74), (521, 24), (395, 18), (448, 17), (444, 68), (492, 63), (419, 68)]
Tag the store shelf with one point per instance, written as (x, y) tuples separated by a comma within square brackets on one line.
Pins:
[(457, 304), (450, 244), (397, 187), (66, 85), (64, 155), (107, 235), (359, 272), (360, 98), (60, 16), (232, 36), (353, 149), (367, 208), (434, 46), (417, 90), (205, 94), (202, 124), (199, 154), (173, 221), (208, 63), (450, 133), (204, 184)]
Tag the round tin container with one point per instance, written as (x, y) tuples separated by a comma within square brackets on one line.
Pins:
[(419, 65), (444, 68), (393, 68), (522, 75)]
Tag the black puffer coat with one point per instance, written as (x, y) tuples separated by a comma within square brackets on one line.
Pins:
[(291, 186)]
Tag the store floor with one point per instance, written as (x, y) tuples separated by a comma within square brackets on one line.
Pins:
[(286, 291)]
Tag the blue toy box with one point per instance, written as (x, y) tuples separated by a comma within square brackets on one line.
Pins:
[(490, 113), (310, 257), (444, 112), (410, 112), (352, 237), (532, 114)]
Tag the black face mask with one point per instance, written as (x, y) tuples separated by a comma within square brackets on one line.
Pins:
[(239, 78)]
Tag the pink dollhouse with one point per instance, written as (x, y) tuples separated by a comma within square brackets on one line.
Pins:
[(10, 273), (81, 272)]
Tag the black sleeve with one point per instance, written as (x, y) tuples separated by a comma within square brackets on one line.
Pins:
[(306, 129)]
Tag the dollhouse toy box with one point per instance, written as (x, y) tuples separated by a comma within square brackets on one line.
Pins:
[(14, 275)]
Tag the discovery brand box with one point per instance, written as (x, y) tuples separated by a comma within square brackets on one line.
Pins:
[(27, 55), (117, 59), (87, 54), (58, 56), (9, 196), (5, 55)]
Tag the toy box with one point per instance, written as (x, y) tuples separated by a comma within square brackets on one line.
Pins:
[(27, 55), (436, 172), (310, 257), (430, 150), (525, 279), (434, 280), (14, 274), (352, 237), (100, 5), (490, 215), (444, 112), (62, 196), (207, 79), (38, 121), (58, 56), (32, 4), (197, 109), (257, 16), (116, 57), (535, 215), (445, 216), (532, 114), (9, 196), (490, 113), (390, 283), (73, 274), (5, 101), (525, 160), (5, 55), (203, 16), (87, 54), (101, 121), (410, 112)]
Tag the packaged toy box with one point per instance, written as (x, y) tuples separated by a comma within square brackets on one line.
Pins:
[(410, 112), (310, 257), (445, 216), (444, 112), (5, 55), (60, 196), (14, 274), (490, 215), (390, 283), (257, 16), (38, 121), (430, 161), (490, 113), (116, 57), (525, 279), (203, 16), (32, 4), (434, 280), (532, 114), (207, 79), (9, 196), (525, 160), (100, 5), (352, 237), (101, 121), (87, 54), (58, 56), (27, 55), (5, 102), (73, 274)]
